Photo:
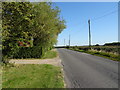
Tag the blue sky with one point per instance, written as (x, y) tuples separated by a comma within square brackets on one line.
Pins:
[(104, 22)]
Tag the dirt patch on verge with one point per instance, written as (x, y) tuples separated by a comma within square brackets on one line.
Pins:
[(55, 61)]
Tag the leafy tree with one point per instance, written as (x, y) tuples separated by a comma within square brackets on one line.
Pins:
[(47, 24)]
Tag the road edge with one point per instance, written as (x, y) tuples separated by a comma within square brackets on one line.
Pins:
[(63, 73)]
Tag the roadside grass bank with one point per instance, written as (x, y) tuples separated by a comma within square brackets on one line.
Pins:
[(107, 55), (50, 54), (32, 76)]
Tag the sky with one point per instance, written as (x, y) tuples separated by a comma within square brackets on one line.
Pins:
[(104, 22), (103, 17)]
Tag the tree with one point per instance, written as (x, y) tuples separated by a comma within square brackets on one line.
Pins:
[(47, 25)]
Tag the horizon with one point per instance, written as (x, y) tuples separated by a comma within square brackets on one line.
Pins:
[(88, 45)]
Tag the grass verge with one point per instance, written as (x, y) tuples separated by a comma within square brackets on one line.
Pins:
[(50, 54), (32, 76), (105, 55), (101, 54)]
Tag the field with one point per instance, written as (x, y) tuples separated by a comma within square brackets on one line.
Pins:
[(32, 76)]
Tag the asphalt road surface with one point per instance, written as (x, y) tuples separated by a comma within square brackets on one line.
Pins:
[(83, 70)]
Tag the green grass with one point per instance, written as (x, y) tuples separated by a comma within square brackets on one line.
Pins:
[(50, 54), (32, 76)]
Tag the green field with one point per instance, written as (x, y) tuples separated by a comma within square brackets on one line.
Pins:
[(32, 76)]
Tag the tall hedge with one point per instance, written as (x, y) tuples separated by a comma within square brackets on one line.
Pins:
[(25, 21)]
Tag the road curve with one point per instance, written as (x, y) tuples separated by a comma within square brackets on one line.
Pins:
[(83, 70)]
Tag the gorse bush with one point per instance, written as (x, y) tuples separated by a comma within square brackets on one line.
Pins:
[(29, 29)]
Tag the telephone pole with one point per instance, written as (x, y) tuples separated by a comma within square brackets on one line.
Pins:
[(89, 33), (69, 40)]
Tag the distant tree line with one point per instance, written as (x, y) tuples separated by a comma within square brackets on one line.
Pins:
[(112, 44), (29, 29)]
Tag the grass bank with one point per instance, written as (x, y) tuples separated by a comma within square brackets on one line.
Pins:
[(101, 54), (50, 54), (32, 76)]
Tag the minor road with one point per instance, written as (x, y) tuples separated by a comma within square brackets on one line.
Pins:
[(87, 71)]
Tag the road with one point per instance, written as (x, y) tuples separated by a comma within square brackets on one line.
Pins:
[(83, 70)]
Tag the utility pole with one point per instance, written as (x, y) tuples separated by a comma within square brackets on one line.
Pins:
[(69, 40), (89, 33)]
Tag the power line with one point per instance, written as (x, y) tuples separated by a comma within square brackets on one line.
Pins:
[(104, 15), (100, 17), (109, 12), (93, 19)]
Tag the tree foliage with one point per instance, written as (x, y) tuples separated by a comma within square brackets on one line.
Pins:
[(25, 21)]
